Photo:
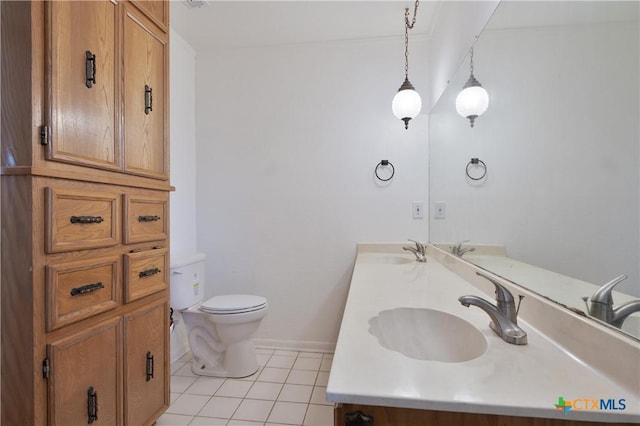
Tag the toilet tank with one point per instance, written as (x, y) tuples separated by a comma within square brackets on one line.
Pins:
[(187, 281)]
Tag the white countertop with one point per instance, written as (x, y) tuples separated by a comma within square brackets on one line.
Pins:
[(506, 380)]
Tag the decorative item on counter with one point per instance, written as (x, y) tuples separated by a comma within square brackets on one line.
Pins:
[(385, 164), (476, 163), (407, 103), (473, 100)]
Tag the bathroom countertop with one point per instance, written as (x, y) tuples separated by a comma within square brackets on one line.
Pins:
[(506, 380)]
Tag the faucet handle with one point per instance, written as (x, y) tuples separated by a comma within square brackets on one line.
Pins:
[(419, 246), (603, 294), (502, 294)]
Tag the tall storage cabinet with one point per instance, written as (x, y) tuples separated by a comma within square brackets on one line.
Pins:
[(85, 212)]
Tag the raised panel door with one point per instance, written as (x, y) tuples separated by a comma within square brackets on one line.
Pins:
[(146, 364), (145, 91), (84, 379), (81, 89)]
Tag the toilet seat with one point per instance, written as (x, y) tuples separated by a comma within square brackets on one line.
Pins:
[(233, 304)]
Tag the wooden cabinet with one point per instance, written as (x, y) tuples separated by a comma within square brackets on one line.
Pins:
[(84, 213), (145, 65), (146, 363), (85, 370)]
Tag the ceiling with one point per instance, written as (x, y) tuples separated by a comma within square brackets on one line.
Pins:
[(238, 24)]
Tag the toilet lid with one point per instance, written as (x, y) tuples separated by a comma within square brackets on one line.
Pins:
[(233, 304)]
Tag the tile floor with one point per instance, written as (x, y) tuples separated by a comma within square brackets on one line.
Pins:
[(289, 388)]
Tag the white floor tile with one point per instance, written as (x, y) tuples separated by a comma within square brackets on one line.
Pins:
[(288, 413), (208, 421), (323, 378), (173, 420), (281, 361), (185, 370), (243, 423), (325, 365), (310, 355), (264, 351), (319, 415), (234, 388), (176, 366), (263, 359), (253, 410), (173, 396), (185, 358), (285, 353), (188, 404), (319, 396), (276, 375), (252, 377), (327, 356), (180, 383), (302, 377), (205, 386), (220, 407), (307, 364), (295, 393), (264, 390)]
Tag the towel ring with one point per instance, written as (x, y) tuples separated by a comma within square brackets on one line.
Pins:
[(478, 163), (385, 163)]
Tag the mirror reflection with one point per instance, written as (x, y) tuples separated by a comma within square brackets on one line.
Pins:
[(558, 210)]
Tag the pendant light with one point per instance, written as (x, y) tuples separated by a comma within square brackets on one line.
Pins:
[(407, 103), (473, 100)]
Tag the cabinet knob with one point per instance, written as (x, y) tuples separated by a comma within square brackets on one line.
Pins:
[(148, 99), (86, 219), (149, 366), (88, 288), (148, 218), (92, 405), (149, 272), (90, 69)]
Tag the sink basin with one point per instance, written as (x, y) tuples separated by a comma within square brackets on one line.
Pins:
[(428, 334), (385, 258)]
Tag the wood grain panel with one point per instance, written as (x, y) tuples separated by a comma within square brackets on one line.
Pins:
[(65, 235), (82, 119), (88, 359), (145, 64), (146, 331), (139, 280), (390, 416), (67, 302), (145, 218), (158, 11)]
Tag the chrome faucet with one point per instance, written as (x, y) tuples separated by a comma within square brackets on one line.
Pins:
[(458, 250), (602, 308), (420, 251), (504, 315)]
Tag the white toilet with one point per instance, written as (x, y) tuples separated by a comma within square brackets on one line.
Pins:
[(219, 328)]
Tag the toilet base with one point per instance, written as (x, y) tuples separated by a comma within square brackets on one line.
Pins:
[(238, 360)]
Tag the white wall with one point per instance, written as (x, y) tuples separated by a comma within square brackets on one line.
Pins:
[(183, 147), (560, 140), (183, 163), (456, 26), (288, 139)]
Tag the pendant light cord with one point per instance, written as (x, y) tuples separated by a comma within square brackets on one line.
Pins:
[(471, 61), (407, 27)]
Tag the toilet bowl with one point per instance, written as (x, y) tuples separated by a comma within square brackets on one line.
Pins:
[(220, 328)]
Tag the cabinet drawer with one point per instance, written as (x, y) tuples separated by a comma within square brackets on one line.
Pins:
[(78, 290), (77, 220), (145, 273), (145, 218)]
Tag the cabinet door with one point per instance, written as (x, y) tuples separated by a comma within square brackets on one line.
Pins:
[(146, 364), (81, 83), (84, 379), (145, 96)]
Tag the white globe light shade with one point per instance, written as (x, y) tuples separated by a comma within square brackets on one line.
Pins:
[(406, 104), (472, 101)]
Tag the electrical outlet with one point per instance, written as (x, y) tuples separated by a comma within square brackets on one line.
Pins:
[(440, 210), (417, 207)]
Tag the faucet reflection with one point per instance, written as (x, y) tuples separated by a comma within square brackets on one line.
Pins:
[(602, 308), (458, 250), (504, 315)]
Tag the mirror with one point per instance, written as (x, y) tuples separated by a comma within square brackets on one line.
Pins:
[(558, 211)]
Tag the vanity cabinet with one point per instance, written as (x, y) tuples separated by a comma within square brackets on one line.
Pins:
[(85, 213)]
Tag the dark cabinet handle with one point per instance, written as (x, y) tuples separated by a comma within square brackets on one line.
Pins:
[(149, 366), (86, 219), (148, 272), (358, 418), (148, 218), (86, 288), (148, 99), (92, 405), (90, 69)]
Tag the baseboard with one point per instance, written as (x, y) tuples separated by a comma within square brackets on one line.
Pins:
[(296, 345)]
